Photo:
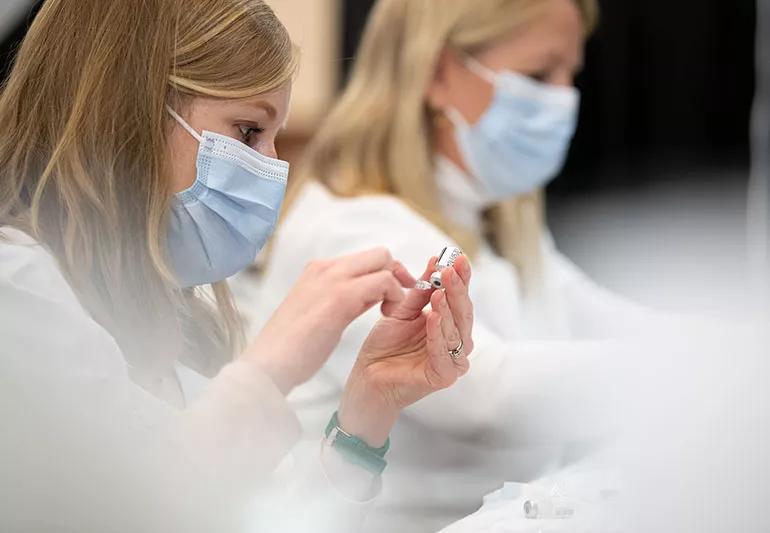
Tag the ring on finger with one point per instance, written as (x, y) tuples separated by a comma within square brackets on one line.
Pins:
[(457, 353)]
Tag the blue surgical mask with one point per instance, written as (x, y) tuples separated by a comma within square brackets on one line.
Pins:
[(218, 225), (521, 142)]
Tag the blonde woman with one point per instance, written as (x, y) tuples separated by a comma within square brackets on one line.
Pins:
[(137, 166), (456, 116)]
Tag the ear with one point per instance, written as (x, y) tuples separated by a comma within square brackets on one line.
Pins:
[(438, 90)]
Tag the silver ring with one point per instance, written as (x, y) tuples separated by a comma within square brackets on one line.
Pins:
[(457, 352)]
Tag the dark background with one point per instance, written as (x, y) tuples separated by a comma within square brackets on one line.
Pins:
[(668, 86), (10, 42)]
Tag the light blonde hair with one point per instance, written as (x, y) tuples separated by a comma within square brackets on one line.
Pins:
[(379, 137), (85, 164)]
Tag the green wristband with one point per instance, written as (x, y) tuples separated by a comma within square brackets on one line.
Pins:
[(355, 450)]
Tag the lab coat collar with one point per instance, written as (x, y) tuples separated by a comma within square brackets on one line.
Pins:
[(462, 200)]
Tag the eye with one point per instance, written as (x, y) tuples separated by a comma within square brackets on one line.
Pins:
[(249, 132), (541, 77)]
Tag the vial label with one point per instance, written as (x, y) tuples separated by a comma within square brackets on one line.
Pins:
[(423, 285)]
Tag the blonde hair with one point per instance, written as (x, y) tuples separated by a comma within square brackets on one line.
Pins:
[(84, 164), (378, 138)]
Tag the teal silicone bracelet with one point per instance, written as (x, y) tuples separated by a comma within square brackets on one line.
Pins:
[(355, 450)]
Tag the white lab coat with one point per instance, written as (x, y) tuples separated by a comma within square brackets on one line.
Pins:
[(534, 394), (84, 449)]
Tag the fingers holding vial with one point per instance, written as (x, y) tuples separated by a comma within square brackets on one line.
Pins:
[(452, 274), (453, 342), (446, 260), (459, 301)]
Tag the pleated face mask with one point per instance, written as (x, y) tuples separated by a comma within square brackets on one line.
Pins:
[(218, 225), (522, 140)]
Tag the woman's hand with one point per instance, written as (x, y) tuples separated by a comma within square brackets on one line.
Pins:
[(306, 328), (407, 355)]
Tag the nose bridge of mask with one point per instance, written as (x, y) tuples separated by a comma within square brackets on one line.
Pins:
[(512, 82), (246, 157)]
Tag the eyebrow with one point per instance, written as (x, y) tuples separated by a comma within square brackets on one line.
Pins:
[(272, 112), (554, 59)]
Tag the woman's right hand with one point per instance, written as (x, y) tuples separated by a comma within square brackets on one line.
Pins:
[(308, 325)]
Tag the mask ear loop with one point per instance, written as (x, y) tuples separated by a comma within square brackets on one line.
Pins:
[(456, 118), (483, 72), (480, 70), (184, 124)]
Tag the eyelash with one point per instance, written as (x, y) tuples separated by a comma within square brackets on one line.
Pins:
[(540, 76), (248, 131)]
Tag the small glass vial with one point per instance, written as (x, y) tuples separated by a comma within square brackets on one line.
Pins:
[(548, 508), (446, 259)]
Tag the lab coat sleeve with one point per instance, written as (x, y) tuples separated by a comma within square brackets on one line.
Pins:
[(516, 391), (594, 312), (84, 449), (333, 496)]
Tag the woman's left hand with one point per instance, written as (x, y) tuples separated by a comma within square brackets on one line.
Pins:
[(407, 355)]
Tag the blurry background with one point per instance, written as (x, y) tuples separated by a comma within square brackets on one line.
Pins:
[(653, 200)]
